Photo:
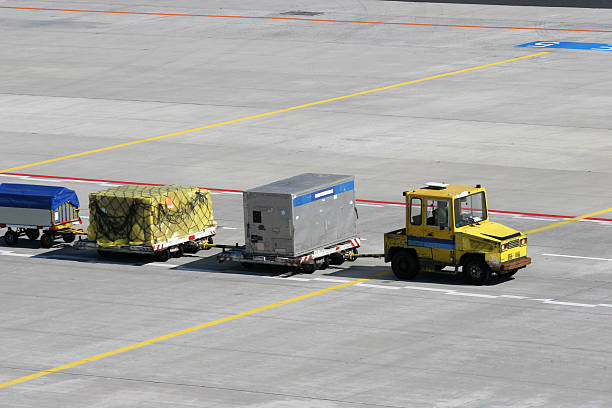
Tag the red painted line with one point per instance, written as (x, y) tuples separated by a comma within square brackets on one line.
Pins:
[(241, 191), (306, 19)]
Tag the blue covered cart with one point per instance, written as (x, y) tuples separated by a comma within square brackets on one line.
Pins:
[(27, 209)]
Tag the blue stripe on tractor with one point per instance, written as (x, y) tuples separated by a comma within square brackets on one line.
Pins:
[(330, 191), (427, 242)]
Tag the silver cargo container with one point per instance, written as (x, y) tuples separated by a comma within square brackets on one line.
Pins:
[(294, 216)]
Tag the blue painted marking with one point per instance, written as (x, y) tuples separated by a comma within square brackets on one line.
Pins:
[(569, 45), (440, 243), (321, 194)]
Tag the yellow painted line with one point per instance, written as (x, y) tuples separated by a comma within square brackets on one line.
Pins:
[(185, 331), (261, 115), (560, 223)]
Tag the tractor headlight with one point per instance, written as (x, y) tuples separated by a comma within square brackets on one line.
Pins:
[(523, 241), (504, 247)]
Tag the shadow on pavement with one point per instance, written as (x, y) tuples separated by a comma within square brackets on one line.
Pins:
[(206, 262)]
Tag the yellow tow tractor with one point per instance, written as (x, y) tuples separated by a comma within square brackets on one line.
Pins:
[(448, 226)]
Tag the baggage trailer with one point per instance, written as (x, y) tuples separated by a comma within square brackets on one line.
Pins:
[(28, 209), (163, 221), (320, 258), (309, 221), (162, 251)]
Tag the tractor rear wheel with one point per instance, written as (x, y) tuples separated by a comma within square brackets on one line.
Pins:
[(404, 265)]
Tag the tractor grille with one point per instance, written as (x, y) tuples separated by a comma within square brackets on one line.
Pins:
[(513, 244)]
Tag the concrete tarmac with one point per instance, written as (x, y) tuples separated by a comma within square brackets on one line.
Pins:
[(536, 132)]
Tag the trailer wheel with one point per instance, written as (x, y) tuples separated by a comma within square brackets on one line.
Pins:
[(11, 238), (179, 252), (322, 263), (46, 241), (68, 238), (337, 258), (404, 265), (32, 234), (162, 255), (308, 268), (476, 271)]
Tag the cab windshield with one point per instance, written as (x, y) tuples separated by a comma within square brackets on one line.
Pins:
[(470, 209)]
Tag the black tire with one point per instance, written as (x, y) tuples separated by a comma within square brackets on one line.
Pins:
[(46, 241), (162, 255), (32, 234), (11, 238), (246, 265), (179, 252), (68, 238), (337, 258), (404, 265), (308, 268), (476, 271), (322, 263)]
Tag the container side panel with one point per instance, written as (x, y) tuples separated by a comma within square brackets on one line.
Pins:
[(26, 216)]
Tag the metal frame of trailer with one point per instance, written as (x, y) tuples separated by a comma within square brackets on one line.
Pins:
[(64, 230), (161, 250), (320, 258)]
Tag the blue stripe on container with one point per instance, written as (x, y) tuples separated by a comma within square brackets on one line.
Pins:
[(310, 197)]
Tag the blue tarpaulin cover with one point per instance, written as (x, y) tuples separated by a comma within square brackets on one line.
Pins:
[(34, 196)]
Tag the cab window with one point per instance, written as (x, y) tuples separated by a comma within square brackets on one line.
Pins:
[(415, 211), (437, 213)]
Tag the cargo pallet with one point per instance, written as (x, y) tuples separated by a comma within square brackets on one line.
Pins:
[(162, 251), (33, 232), (320, 258)]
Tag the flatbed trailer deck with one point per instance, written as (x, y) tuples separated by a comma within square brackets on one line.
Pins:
[(161, 250), (320, 258)]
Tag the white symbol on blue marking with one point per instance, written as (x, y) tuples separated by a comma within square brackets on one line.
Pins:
[(568, 45)]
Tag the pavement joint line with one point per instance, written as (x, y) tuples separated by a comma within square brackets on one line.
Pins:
[(187, 331), (391, 23), (274, 112), (106, 183)]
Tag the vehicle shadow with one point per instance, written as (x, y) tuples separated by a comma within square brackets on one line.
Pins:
[(206, 262)]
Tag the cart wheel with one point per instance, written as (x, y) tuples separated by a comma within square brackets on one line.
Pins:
[(32, 234), (308, 268), (162, 255), (179, 252), (246, 265), (11, 238), (322, 263), (46, 241), (337, 258), (68, 238)]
